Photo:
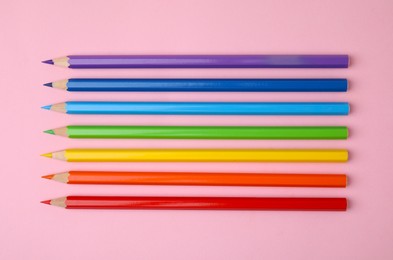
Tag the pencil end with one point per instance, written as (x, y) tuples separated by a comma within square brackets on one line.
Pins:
[(48, 155), (48, 84), (50, 131), (48, 107), (46, 202), (48, 62)]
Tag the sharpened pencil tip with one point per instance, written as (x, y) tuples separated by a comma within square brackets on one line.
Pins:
[(48, 107), (48, 155), (46, 202), (49, 177), (50, 131), (48, 84), (48, 62)]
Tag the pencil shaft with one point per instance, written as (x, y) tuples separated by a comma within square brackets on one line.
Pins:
[(208, 108), (205, 203), (203, 155), (208, 85), (199, 178), (205, 61), (208, 132)]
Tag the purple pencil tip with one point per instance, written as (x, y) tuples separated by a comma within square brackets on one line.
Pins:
[(48, 84), (48, 62)]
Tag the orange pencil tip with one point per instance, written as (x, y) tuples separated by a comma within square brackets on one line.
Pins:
[(49, 177), (46, 202)]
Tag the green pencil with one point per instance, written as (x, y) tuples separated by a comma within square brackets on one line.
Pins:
[(202, 132)]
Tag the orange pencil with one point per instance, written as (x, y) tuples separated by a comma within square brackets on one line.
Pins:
[(199, 178)]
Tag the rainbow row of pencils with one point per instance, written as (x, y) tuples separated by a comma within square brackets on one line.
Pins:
[(201, 132)]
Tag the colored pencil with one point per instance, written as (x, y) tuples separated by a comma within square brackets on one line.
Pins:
[(201, 108), (199, 203), (200, 155), (200, 178), (202, 85), (202, 132), (200, 61)]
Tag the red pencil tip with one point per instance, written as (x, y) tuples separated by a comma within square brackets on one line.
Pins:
[(49, 177), (46, 202)]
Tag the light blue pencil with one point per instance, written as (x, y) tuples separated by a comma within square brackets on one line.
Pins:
[(202, 108)]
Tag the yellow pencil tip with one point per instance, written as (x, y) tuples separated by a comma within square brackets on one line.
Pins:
[(49, 155)]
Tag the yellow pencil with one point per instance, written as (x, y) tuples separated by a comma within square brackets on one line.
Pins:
[(200, 155)]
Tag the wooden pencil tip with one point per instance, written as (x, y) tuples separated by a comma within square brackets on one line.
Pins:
[(48, 107), (49, 177), (48, 62), (60, 107), (50, 131), (48, 155), (59, 202), (48, 84)]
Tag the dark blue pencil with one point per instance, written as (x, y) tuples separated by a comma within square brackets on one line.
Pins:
[(202, 85)]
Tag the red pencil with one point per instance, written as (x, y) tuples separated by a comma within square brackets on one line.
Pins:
[(199, 203)]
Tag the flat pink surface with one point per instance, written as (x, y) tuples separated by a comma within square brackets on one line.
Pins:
[(32, 31)]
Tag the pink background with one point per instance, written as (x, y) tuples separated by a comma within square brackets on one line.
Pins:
[(35, 30)]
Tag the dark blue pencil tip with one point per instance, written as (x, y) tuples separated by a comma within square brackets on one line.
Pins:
[(48, 84), (46, 107), (48, 61)]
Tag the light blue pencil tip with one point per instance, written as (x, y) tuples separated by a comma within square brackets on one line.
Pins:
[(48, 107)]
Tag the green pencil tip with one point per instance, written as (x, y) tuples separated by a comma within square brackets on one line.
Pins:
[(46, 107), (50, 131)]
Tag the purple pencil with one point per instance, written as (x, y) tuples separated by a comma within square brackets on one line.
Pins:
[(200, 61)]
